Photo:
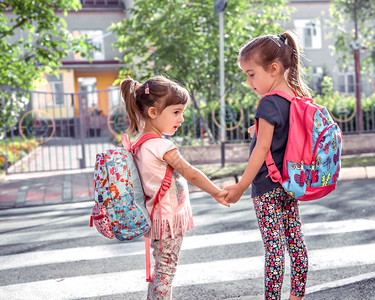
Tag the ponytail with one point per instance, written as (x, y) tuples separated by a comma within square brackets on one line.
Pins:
[(295, 71), (128, 90)]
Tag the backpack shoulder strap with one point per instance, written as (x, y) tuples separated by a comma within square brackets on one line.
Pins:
[(143, 139), (164, 187), (280, 93), (166, 182), (273, 171)]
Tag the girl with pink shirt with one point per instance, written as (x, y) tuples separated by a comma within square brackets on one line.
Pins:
[(157, 107)]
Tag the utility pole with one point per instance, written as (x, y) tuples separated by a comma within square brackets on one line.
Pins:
[(356, 47), (220, 6)]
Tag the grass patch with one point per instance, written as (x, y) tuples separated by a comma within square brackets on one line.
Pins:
[(217, 172), (230, 170), (357, 161)]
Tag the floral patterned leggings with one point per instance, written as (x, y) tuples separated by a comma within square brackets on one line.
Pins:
[(280, 226), (166, 257)]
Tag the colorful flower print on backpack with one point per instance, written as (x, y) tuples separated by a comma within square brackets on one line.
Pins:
[(119, 211), (100, 219)]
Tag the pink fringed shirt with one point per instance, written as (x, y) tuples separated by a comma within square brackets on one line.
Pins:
[(174, 208)]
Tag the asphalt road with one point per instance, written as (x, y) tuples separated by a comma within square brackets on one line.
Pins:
[(50, 252)]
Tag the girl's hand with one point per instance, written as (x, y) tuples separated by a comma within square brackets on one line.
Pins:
[(234, 193), (251, 130), (194, 176), (220, 197)]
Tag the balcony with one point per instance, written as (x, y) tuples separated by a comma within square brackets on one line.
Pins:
[(103, 4)]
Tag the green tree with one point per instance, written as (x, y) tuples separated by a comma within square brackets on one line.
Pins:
[(41, 42), (347, 14), (33, 40), (180, 39)]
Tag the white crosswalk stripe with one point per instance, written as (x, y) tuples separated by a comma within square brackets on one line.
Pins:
[(55, 237), (191, 274), (193, 242)]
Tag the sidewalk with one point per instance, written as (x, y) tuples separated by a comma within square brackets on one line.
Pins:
[(45, 188)]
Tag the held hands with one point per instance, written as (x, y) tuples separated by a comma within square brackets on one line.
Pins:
[(230, 194), (220, 197), (234, 193)]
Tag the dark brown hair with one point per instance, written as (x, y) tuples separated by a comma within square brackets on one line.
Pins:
[(283, 48), (162, 92)]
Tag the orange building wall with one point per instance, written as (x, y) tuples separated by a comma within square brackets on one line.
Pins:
[(103, 82)]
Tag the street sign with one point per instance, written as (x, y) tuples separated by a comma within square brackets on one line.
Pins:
[(220, 5)]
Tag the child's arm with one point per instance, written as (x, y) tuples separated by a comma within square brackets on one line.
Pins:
[(194, 176), (257, 158)]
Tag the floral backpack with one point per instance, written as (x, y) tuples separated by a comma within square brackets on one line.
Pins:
[(312, 157), (120, 210)]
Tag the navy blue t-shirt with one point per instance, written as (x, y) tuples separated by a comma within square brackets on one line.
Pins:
[(275, 110)]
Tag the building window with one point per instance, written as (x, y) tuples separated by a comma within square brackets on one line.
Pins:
[(317, 74), (310, 33), (94, 37), (114, 97), (56, 88), (87, 88), (102, 3), (346, 83)]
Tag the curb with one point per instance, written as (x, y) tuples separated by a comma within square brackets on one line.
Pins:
[(25, 176), (17, 197), (355, 173)]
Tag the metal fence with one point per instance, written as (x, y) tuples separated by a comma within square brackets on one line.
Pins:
[(42, 131)]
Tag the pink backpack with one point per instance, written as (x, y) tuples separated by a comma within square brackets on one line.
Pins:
[(312, 157)]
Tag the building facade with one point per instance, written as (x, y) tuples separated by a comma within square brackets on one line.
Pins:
[(78, 75), (309, 20)]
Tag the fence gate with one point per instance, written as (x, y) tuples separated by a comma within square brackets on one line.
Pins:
[(61, 131), (43, 131)]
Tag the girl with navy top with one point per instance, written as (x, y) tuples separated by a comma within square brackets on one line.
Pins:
[(272, 63)]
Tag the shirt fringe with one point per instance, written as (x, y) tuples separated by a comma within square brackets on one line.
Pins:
[(181, 222)]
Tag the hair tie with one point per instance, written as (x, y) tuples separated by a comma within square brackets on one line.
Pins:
[(147, 89), (274, 40), (282, 38), (133, 88)]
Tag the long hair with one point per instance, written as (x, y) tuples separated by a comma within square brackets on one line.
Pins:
[(283, 48), (157, 91)]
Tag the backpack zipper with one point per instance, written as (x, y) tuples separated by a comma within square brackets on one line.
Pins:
[(313, 162)]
